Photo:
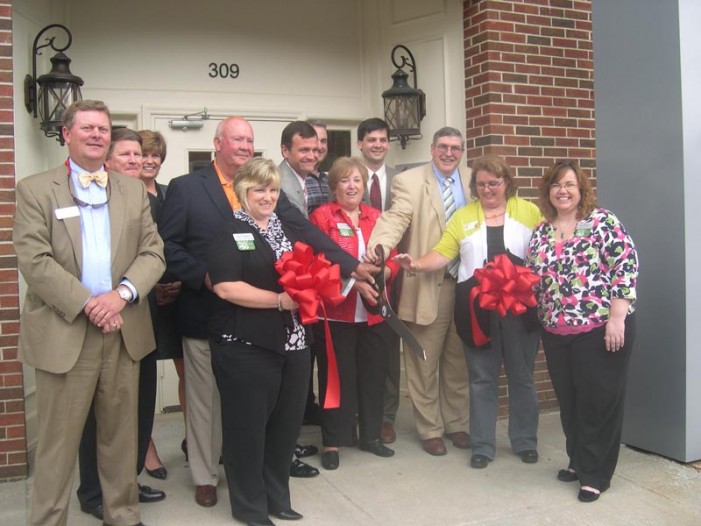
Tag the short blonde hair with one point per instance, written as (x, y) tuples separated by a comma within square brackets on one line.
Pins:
[(255, 172), (343, 167)]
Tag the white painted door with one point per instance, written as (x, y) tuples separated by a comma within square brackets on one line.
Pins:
[(180, 145)]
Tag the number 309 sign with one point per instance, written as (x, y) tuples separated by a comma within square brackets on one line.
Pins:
[(223, 70)]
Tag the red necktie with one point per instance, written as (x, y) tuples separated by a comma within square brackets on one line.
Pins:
[(375, 194)]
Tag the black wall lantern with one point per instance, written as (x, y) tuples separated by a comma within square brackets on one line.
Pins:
[(405, 106), (52, 93)]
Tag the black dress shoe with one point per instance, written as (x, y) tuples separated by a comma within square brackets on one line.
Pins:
[(301, 470), (376, 448), (479, 461), (305, 451), (529, 456), (287, 515), (329, 459), (96, 511), (262, 522), (147, 494), (183, 447), (565, 475), (158, 473), (587, 496)]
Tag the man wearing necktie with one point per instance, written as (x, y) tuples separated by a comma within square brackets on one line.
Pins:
[(89, 256), (423, 199), (373, 143)]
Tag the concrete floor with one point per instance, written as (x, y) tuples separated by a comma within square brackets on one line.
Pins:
[(415, 489)]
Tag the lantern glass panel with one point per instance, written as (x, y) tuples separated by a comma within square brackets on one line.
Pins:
[(54, 98), (402, 114)]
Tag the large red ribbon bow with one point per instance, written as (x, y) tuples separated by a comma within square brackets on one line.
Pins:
[(502, 286), (311, 281)]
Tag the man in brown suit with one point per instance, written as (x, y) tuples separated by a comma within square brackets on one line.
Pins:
[(414, 223), (89, 252)]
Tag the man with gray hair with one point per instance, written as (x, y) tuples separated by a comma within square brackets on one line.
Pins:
[(423, 200), (197, 206)]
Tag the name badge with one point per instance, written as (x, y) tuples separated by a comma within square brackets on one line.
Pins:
[(244, 241), (344, 229), (584, 228), (65, 213)]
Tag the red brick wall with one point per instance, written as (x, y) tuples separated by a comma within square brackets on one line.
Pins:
[(13, 443), (529, 95)]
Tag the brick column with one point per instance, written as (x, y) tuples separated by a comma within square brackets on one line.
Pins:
[(529, 86), (13, 441), (529, 95)]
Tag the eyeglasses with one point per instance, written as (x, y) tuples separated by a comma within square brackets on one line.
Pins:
[(491, 184), (94, 206), (444, 148), (567, 186)]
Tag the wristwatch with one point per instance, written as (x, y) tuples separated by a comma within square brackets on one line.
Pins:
[(125, 293)]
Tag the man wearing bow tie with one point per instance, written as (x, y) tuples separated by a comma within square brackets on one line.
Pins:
[(89, 252)]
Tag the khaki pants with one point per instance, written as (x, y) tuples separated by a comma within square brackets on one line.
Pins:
[(106, 374), (438, 387)]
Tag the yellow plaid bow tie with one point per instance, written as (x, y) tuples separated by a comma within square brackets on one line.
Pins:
[(86, 178)]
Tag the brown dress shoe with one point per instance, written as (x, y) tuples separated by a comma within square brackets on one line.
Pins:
[(206, 495), (461, 440), (434, 446), (387, 434)]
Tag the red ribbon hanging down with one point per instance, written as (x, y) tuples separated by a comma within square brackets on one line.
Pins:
[(311, 281), (502, 286)]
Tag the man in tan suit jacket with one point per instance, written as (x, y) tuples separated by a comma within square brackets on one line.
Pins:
[(414, 224), (90, 253)]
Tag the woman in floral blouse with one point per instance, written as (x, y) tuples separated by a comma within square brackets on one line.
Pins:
[(588, 269)]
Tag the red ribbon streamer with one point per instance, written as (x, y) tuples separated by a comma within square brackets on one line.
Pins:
[(502, 286), (311, 281)]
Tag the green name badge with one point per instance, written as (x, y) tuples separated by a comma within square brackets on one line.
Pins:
[(584, 229), (244, 241), (344, 229)]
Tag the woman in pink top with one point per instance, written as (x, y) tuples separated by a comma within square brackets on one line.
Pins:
[(588, 270)]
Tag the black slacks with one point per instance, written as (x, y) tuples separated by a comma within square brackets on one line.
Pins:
[(590, 382), (89, 491), (263, 395), (362, 355)]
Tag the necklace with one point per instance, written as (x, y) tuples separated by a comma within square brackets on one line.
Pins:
[(568, 229), (493, 216)]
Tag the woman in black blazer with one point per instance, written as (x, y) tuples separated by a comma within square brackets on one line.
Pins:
[(260, 353)]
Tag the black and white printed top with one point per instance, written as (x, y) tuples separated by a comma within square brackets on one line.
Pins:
[(253, 261)]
